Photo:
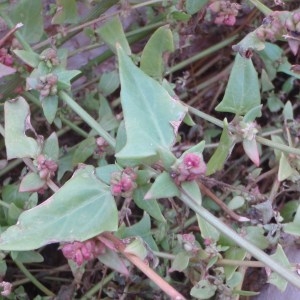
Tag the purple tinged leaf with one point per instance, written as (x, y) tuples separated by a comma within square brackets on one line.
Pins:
[(251, 149)]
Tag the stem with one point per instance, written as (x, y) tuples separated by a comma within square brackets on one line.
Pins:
[(221, 204), (231, 234), (205, 116), (97, 287), (34, 280), (4, 204), (18, 35), (87, 118), (261, 7), (202, 54), (160, 282), (259, 139), (278, 146)]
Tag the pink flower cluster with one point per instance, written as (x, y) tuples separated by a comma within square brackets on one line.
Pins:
[(5, 58), (189, 169), (101, 146), (47, 85), (272, 27), (46, 167), (123, 183), (80, 252), (281, 24), (225, 12), (6, 286), (50, 57)]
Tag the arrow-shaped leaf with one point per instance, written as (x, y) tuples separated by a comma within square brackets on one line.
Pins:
[(151, 115), (81, 209)]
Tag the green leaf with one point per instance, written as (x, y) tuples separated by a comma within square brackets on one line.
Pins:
[(193, 6), (104, 172), (255, 235), (109, 82), (30, 58), (29, 13), (195, 149), (235, 280), (192, 189), (249, 42), (289, 210), (207, 230), (112, 33), (293, 227), (50, 104), (236, 202), (150, 206), (148, 107), (65, 77), (51, 147), (271, 55), (81, 209), (226, 144), (203, 290), (162, 187), (252, 114), (180, 263), (112, 260), (66, 12), (137, 248), (84, 150), (234, 253), (242, 91), (141, 229), (107, 118), (152, 59), (27, 256), (275, 278), (288, 111), (11, 194), (266, 83), (32, 182), (17, 122), (285, 169)]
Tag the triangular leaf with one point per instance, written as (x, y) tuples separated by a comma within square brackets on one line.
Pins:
[(50, 104), (29, 13), (17, 121), (66, 12), (150, 206), (285, 169), (112, 33), (242, 91), (224, 149), (275, 278), (32, 182), (81, 209), (30, 58), (151, 116), (162, 187), (152, 59)]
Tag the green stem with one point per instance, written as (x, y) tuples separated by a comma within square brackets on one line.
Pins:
[(278, 146), (261, 7), (202, 54), (4, 204), (87, 118), (259, 139), (97, 287), (205, 116), (34, 280), (18, 35), (231, 234)]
